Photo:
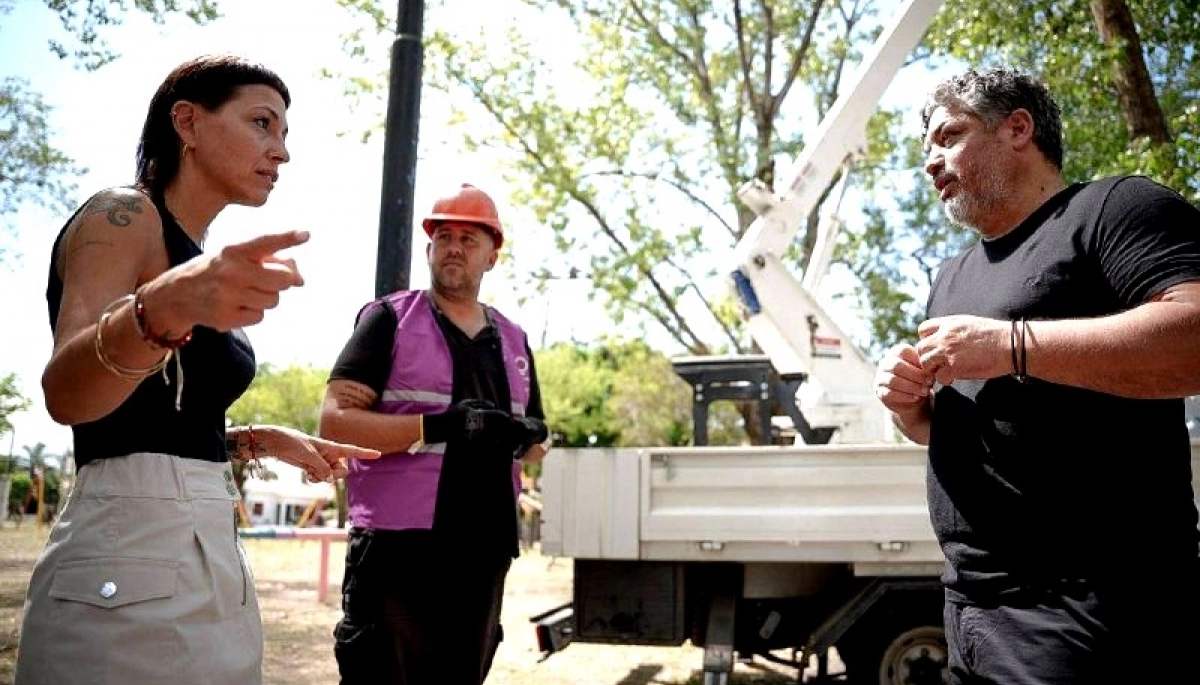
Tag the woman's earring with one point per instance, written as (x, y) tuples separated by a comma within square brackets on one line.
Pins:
[(184, 151)]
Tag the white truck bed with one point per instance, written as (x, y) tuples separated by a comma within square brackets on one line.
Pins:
[(861, 504)]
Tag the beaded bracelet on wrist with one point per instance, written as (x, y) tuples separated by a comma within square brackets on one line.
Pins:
[(254, 448), (161, 341)]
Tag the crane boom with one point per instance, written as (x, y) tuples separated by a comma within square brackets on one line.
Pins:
[(841, 133), (783, 315)]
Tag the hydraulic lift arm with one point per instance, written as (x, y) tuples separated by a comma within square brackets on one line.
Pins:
[(783, 316)]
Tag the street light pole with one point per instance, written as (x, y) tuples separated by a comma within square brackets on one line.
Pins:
[(400, 151)]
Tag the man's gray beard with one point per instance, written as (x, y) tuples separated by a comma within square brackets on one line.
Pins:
[(955, 211), (969, 209), (960, 208)]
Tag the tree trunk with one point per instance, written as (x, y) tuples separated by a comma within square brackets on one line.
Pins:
[(1139, 104)]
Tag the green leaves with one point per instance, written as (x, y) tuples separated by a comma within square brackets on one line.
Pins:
[(11, 401), (287, 397), (621, 393), (84, 22), (32, 169)]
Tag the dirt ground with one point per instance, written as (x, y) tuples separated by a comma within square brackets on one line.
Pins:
[(298, 628)]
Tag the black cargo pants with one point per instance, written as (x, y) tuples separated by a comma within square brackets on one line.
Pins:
[(415, 612)]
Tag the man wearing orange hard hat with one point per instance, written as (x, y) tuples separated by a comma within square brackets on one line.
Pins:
[(446, 388)]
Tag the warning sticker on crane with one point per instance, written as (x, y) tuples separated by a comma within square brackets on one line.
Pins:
[(827, 347)]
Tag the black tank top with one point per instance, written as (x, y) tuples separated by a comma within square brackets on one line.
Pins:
[(217, 369)]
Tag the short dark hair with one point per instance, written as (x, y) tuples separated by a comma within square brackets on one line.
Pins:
[(209, 81), (993, 94)]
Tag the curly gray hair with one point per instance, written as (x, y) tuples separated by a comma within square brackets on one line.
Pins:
[(993, 94)]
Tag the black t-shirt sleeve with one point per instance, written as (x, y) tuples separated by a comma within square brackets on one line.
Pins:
[(367, 356), (1148, 239)]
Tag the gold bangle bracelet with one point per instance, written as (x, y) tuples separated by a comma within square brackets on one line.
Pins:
[(123, 372)]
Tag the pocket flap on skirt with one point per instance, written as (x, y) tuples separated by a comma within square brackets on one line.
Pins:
[(113, 582)]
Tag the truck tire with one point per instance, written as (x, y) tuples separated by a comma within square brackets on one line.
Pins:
[(915, 657), (900, 643)]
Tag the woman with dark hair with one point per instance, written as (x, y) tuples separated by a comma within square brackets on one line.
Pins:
[(143, 578)]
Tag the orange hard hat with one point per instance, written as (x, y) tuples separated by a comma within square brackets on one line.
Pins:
[(470, 205)]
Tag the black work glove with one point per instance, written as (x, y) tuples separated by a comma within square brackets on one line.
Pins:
[(526, 432), (471, 420)]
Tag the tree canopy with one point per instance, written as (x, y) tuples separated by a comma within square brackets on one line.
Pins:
[(32, 169), (290, 396), (83, 23)]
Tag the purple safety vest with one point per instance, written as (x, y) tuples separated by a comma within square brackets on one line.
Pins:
[(399, 490)]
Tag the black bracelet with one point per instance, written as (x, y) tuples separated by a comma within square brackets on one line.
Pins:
[(1023, 366), (1012, 346)]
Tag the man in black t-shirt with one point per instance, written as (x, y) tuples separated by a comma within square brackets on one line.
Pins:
[(1048, 383)]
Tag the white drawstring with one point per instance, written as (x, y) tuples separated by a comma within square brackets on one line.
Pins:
[(178, 353)]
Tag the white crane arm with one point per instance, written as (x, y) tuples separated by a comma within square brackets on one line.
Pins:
[(840, 135), (784, 317)]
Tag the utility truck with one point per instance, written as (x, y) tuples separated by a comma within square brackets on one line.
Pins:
[(769, 550)]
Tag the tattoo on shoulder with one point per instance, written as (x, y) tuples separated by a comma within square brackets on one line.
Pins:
[(354, 397), (118, 209)]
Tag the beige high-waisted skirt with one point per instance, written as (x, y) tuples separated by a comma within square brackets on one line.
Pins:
[(143, 581)]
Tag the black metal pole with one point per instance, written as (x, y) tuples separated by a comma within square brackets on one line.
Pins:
[(400, 151)]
